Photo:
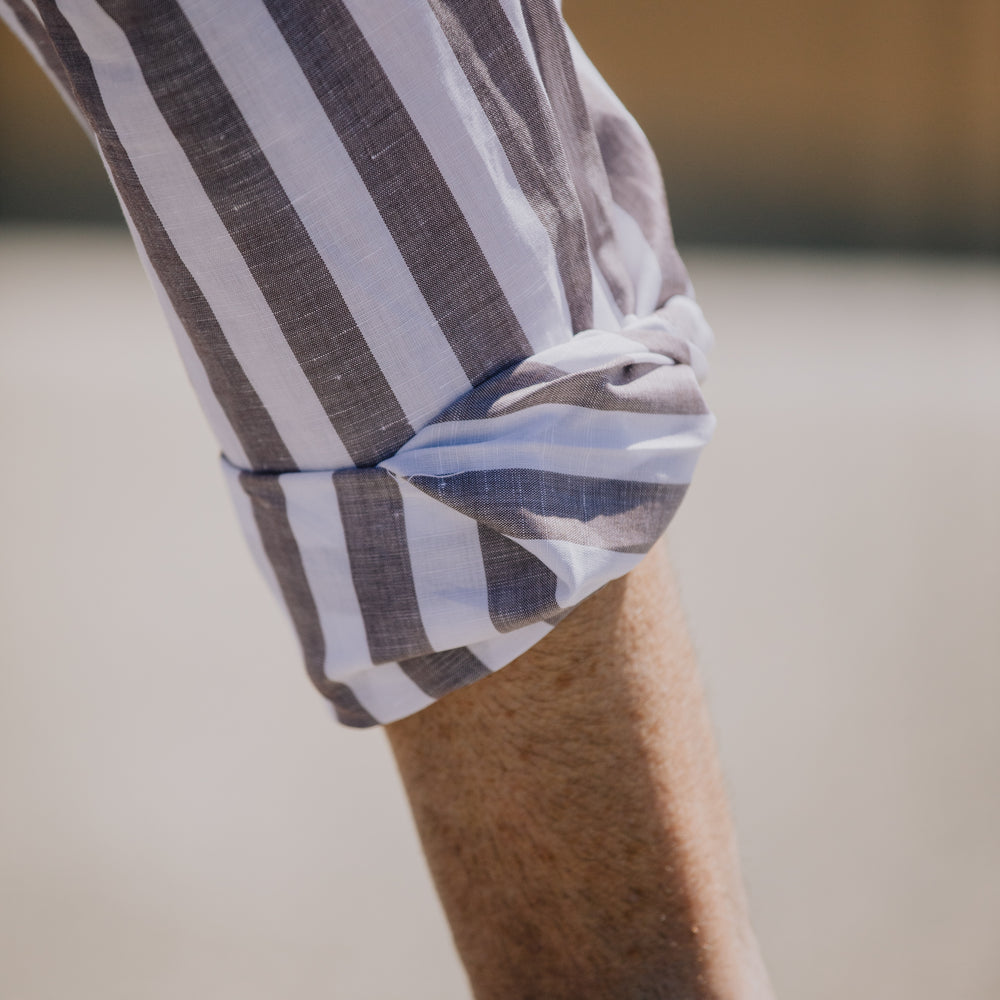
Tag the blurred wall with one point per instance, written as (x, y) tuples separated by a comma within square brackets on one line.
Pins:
[(796, 122)]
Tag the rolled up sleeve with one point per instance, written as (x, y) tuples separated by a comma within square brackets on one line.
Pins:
[(418, 262)]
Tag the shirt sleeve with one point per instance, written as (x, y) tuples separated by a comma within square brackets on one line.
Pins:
[(418, 262)]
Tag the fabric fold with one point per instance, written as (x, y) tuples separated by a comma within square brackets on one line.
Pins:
[(523, 497)]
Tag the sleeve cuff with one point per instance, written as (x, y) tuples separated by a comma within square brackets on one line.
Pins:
[(451, 558)]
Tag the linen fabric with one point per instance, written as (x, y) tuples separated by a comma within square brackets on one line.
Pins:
[(418, 262)]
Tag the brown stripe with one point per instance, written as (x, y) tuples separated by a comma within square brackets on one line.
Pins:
[(282, 550), (629, 387), (488, 50), (371, 511), (636, 183), (252, 424), (406, 185), (438, 673), (264, 225), (555, 62), (521, 589), (613, 514)]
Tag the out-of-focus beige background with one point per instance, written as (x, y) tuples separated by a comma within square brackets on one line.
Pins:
[(180, 815)]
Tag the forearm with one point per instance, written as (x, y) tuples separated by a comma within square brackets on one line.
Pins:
[(573, 814)]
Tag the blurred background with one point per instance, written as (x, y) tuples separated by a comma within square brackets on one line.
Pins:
[(181, 816)]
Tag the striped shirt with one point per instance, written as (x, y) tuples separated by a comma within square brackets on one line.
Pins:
[(418, 262)]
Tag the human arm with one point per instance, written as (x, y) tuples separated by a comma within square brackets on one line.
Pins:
[(347, 246), (574, 818)]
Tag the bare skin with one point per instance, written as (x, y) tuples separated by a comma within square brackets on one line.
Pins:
[(573, 814)]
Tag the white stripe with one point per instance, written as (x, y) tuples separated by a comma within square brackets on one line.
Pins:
[(204, 245), (211, 407), (645, 448), (414, 52), (330, 198), (639, 260), (387, 693), (607, 315), (581, 569), (497, 653), (515, 14), (448, 574), (314, 516)]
